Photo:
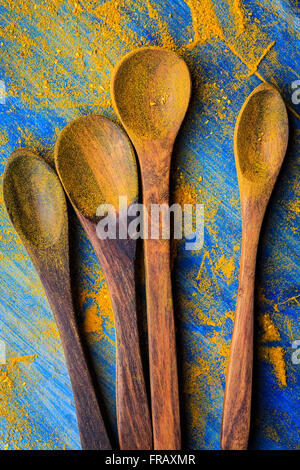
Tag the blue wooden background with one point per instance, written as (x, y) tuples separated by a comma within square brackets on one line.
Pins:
[(56, 59)]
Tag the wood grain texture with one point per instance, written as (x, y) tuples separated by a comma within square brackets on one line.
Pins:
[(56, 281), (35, 201), (103, 168), (260, 143), (151, 90), (237, 399), (117, 259), (161, 328)]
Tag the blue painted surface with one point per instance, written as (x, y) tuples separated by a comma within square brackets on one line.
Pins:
[(204, 295)]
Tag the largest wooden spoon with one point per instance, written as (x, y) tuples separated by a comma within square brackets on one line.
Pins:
[(151, 91), (37, 207), (260, 142)]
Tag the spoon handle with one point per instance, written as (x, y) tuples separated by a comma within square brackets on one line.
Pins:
[(92, 431), (117, 259), (162, 347), (238, 390), (161, 328)]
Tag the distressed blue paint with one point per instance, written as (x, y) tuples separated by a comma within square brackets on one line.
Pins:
[(203, 149)]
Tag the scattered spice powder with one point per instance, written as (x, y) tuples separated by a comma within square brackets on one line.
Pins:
[(270, 331), (272, 354), (205, 22), (98, 311), (275, 356), (238, 13), (3, 139), (57, 68), (166, 38), (226, 266), (12, 411), (25, 359)]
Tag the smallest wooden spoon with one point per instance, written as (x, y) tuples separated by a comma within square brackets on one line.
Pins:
[(260, 142), (37, 207)]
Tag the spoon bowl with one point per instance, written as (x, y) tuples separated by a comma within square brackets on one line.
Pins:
[(261, 136), (157, 82), (33, 193), (96, 164)]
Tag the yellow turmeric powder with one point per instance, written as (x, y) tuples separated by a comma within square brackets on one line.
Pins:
[(205, 22), (275, 356)]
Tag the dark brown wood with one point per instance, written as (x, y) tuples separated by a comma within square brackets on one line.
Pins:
[(117, 259), (161, 329), (35, 202), (237, 399), (261, 136), (103, 168), (56, 282), (151, 91)]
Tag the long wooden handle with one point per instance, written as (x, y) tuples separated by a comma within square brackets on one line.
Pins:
[(162, 346), (133, 416), (161, 329), (117, 259), (238, 390), (92, 431)]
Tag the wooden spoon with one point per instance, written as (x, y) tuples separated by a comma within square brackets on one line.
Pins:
[(151, 90), (260, 142), (96, 165), (36, 204)]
